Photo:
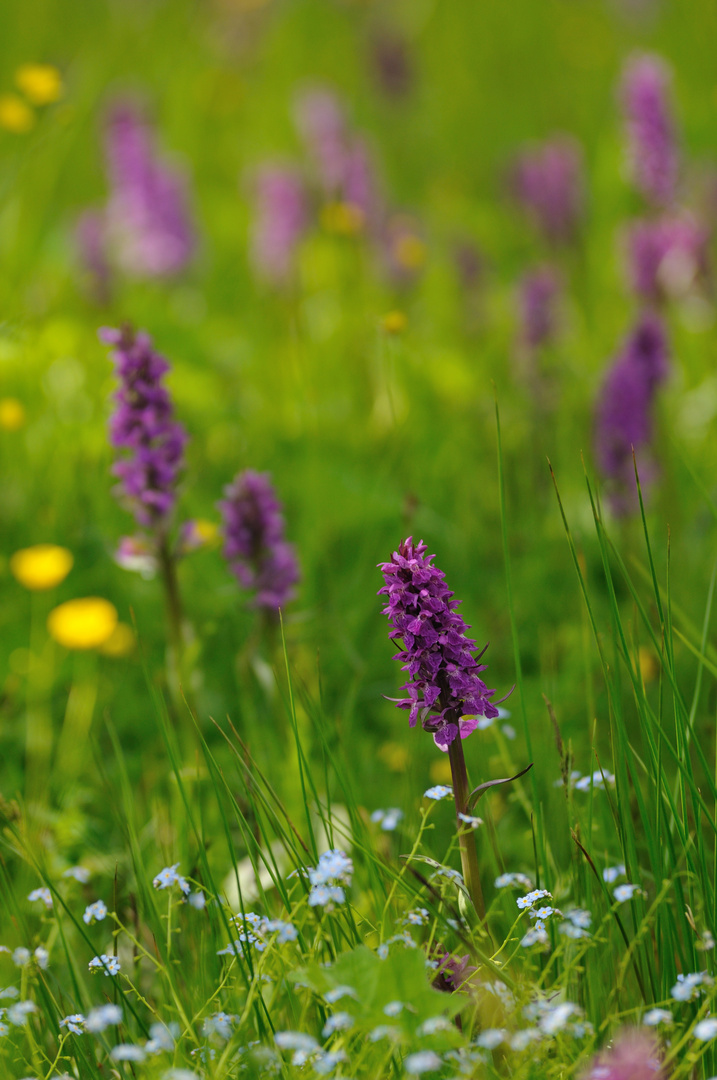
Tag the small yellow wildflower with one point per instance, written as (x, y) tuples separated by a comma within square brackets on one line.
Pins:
[(86, 623), (409, 251), (648, 664), (40, 83), (394, 755), (42, 566), (121, 642), (12, 414), (394, 322), (207, 531), (198, 533), (15, 114), (342, 218), (440, 770)]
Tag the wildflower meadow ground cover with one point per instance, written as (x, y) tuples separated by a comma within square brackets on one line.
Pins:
[(357, 486)]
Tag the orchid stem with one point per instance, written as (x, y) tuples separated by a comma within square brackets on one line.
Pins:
[(175, 620), (466, 838)]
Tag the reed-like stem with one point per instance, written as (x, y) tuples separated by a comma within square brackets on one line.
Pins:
[(466, 839)]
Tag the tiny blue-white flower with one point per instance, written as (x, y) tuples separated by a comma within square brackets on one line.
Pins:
[(469, 819), (340, 1021), (43, 894), (338, 992), (168, 877), (689, 986), (657, 1016), (505, 880), (128, 1052), (556, 1017), (612, 873), (285, 931), (490, 1038), (42, 957), (433, 1024), (439, 791), (109, 965), (422, 1061), (295, 1040), (74, 1023), (102, 1017), (570, 930), (219, 1023), (95, 912), (706, 1029), (626, 892), (537, 935), (18, 1013), (387, 819), (530, 898), (384, 1031), (327, 1062), (79, 873), (524, 1038)]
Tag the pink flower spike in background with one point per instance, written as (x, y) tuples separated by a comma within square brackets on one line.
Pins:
[(280, 218), (634, 1056), (651, 142)]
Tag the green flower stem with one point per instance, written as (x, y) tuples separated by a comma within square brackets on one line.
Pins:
[(178, 676), (466, 838), (39, 733)]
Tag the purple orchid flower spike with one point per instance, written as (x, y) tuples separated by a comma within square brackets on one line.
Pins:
[(652, 146), (539, 291), (624, 412), (254, 544), (149, 228), (445, 688), (143, 427), (547, 180), (279, 222), (667, 257), (152, 442)]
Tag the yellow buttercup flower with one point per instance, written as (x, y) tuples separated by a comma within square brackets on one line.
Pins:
[(121, 642), (394, 755), (40, 83), (343, 218), (440, 770), (12, 414), (649, 667), (206, 530), (85, 623), (394, 322), (42, 566), (409, 252), (15, 114)]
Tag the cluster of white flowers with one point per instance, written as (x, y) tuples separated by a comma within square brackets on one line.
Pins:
[(690, 986), (333, 871), (255, 930), (387, 819)]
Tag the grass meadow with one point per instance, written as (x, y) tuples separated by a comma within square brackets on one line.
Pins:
[(217, 859)]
